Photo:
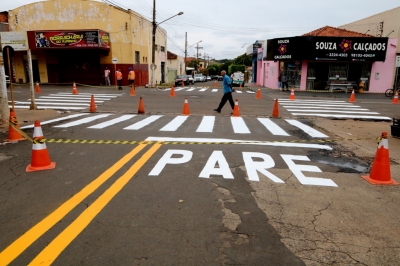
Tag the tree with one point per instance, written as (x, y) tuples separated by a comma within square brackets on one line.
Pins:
[(243, 59), (194, 63), (214, 69), (226, 65)]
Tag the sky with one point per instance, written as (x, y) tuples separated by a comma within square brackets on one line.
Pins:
[(227, 27)]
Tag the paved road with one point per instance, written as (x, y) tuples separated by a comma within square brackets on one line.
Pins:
[(220, 190)]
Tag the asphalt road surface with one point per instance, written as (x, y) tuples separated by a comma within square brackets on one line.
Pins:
[(162, 188)]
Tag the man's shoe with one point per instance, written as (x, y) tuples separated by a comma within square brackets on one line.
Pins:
[(216, 110)]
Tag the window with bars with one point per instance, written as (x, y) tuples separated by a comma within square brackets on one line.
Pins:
[(162, 48), (137, 57)]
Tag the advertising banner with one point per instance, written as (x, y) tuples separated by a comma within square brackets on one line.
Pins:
[(18, 40), (328, 48)]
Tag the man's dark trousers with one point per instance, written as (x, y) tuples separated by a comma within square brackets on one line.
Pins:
[(227, 96)]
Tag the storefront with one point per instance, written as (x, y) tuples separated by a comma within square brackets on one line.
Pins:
[(331, 63)]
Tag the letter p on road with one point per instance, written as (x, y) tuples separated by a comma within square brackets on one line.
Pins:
[(167, 159)]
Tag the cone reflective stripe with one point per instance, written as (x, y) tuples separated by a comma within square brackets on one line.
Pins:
[(380, 170), (133, 93), (13, 135), (258, 96), (292, 98), (40, 155), (92, 108), (186, 110), (37, 87), (275, 111), (236, 109), (172, 92), (352, 97), (395, 98), (74, 89)]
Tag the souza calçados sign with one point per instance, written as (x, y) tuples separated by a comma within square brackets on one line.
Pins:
[(328, 48), (61, 39)]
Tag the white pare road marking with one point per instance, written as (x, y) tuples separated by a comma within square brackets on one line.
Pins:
[(55, 120), (207, 124), (252, 163), (347, 116), (272, 127), (83, 121), (191, 89), (112, 122), (203, 90), (239, 126), (143, 123), (309, 130), (214, 90), (175, 123)]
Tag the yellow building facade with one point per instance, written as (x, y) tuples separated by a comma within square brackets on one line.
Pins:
[(129, 37)]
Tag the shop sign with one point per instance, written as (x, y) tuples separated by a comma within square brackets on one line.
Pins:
[(256, 46), (328, 48), (18, 40), (71, 38)]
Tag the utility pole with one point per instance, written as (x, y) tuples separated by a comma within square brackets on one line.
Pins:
[(185, 51), (198, 52), (4, 110), (153, 47)]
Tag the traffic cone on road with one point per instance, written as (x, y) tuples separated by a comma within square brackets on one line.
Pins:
[(183, 84), (74, 89), (13, 134), (352, 97), (133, 93), (37, 87), (258, 96), (380, 170), (395, 98), (92, 108), (186, 110), (141, 106), (172, 92), (291, 97), (215, 83), (236, 109), (40, 155), (275, 111)]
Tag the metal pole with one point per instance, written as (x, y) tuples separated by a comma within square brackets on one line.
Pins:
[(153, 47), (33, 105), (185, 51), (9, 75), (4, 110)]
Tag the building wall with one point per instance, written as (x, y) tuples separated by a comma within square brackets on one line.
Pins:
[(129, 31), (175, 66), (271, 73)]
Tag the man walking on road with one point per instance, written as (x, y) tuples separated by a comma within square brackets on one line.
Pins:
[(131, 77), (118, 75), (227, 92)]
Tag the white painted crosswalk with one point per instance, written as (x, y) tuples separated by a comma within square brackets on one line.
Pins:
[(66, 101), (329, 109)]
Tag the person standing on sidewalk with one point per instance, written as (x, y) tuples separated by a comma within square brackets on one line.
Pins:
[(227, 92), (118, 75), (131, 77), (107, 76), (284, 82)]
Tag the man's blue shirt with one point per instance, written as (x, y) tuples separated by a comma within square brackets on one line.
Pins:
[(227, 82)]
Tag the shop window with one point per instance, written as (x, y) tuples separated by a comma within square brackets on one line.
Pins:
[(137, 57), (162, 48)]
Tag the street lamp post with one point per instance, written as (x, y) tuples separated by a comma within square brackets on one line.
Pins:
[(186, 47), (153, 47)]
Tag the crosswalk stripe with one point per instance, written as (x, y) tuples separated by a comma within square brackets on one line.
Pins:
[(191, 89), (347, 116), (322, 105), (239, 126), (179, 89), (207, 124), (84, 95), (326, 108), (83, 121), (272, 127), (72, 99), (309, 101), (113, 121), (49, 107), (333, 111), (98, 94), (55, 120), (307, 129), (175, 123), (143, 123), (214, 90), (50, 103), (57, 100), (203, 89)]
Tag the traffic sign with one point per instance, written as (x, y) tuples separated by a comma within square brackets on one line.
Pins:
[(114, 60)]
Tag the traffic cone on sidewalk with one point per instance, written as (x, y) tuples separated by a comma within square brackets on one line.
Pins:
[(186, 110), (13, 134), (74, 89), (37, 87), (141, 107), (380, 170), (92, 108), (172, 92), (258, 96), (395, 98), (291, 97), (40, 156), (352, 97), (133, 93), (275, 111), (236, 109)]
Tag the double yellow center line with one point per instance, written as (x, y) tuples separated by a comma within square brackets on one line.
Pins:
[(54, 249)]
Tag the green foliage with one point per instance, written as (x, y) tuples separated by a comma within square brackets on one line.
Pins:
[(214, 69), (226, 65), (194, 63), (234, 68), (243, 59)]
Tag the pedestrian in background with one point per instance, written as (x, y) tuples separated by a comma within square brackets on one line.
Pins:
[(118, 75), (131, 77), (227, 92), (107, 76), (280, 81), (284, 82)]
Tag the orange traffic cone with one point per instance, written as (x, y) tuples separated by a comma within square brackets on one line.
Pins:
[(133, 93), (74, 90), (275, 112), (37, 87), (395, 98), (172, 92), (141, 107), (236, 109), (186, 110), (258, 96), (13, 135), (40, 156), (215, 83), (380, 171), (92, 108), (352, 97), (292, 98)]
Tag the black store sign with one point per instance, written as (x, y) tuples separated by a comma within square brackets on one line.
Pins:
[(327, 48)]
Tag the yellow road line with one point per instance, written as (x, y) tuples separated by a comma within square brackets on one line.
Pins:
[(54, 249), (24, 241)]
